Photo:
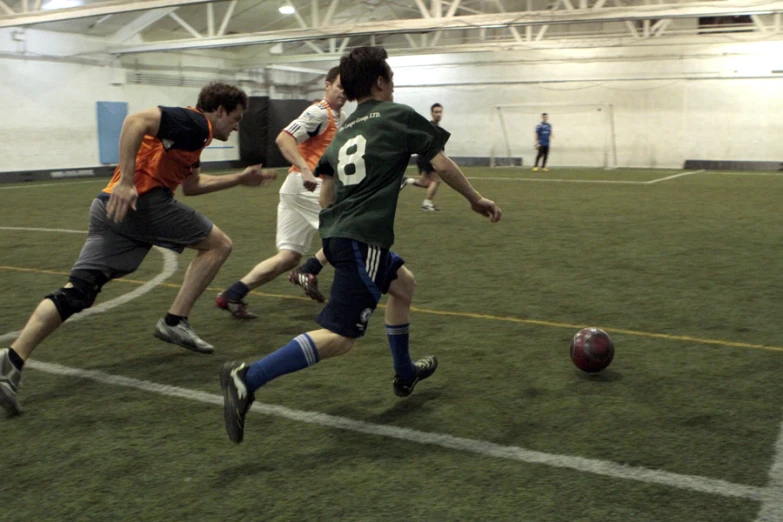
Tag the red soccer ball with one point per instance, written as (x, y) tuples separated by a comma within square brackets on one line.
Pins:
[(592, 350)]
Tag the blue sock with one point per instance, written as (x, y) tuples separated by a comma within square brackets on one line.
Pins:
[(294, 356), (312, 266), (236, 292), (399, 343)]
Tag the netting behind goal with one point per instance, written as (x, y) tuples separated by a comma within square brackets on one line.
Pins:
[(583, 135)]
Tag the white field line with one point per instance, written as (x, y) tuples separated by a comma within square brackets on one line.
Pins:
[(681, 174), (58, 184), (772, 508), (597, 467), (169, 267), (555, 180)]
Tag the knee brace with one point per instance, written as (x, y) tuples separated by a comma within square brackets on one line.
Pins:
[(79, 294)]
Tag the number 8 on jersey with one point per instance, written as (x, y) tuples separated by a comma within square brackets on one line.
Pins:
[(350, 167)]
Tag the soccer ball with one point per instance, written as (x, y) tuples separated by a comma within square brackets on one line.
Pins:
[(592, 350)]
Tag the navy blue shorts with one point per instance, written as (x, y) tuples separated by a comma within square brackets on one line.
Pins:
[(362, 273)]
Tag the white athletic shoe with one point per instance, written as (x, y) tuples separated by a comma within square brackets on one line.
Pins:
[(182, 335)]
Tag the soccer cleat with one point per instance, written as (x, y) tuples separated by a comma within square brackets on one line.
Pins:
[(424, 368), (182, 335), (535, 169), (237, 308), (308, 282), (429, 207), (10, 381), (545, 169), (237, 399), (406, 181)]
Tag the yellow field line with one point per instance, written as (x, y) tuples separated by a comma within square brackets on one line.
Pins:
[(486, 317)]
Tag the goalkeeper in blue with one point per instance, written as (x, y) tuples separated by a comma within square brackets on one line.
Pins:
[(362, 170)]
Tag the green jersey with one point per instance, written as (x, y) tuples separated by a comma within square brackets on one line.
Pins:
[(367, 158)]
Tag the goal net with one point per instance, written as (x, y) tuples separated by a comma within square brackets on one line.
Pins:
[(583, 135)]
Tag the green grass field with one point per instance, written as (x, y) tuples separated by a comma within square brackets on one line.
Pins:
[(685, 273)]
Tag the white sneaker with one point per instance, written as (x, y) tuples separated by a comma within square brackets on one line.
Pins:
[(182, 335), (429, 207)]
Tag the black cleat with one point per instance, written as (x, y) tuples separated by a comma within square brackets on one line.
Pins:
[(236, 399), (424, 368), (10, 381)]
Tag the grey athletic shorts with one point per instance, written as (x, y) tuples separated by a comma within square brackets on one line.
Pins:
[(117, 249)]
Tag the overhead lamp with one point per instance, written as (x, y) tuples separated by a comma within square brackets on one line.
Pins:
[(286, 8), (60, 4)]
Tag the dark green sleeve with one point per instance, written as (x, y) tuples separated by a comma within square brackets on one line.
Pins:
[(424, 138), (324, 168)]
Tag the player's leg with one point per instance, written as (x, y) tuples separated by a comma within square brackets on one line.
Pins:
[(398, 309), (434, 182), (539, 155), (105, 255), (173, 225), (545, 156), (306, 275), (294, 235), (344, 319)]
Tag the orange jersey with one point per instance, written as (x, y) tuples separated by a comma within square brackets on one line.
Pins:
[(313, 132), (167, 159)]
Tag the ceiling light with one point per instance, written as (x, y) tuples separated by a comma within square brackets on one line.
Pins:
[(287, 9), (60, 4)]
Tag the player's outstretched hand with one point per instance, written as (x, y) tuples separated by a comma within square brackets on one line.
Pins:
[(254, 176), (123, 196), (309, 180), (487, 207)]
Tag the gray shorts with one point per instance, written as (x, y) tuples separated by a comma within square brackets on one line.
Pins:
[(117, 249)]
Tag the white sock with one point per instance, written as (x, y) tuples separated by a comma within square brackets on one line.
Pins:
[(427, 203)]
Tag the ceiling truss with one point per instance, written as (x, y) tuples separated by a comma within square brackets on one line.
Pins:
[(326, 28)]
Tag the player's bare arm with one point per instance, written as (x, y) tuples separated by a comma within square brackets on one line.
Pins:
[(288, 147), (134, 128), (327, 195), (452, 175), (253, 176)]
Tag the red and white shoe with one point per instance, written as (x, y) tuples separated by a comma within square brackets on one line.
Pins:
[(308, 282), (237, 308)]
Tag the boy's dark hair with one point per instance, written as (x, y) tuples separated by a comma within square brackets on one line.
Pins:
[(544, 114), (331, 76), (360, 69), (435, 105), (218, 93)]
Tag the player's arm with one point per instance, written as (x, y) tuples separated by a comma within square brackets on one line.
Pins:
[(452, 175), (326, 172), (197, 183), (311, 122), (327, 195), (289, 148), (535, 137), (134, 128)]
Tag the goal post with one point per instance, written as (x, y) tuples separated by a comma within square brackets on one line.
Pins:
[(583, 134)]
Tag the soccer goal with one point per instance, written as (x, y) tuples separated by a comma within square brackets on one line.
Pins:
[(583, 134)]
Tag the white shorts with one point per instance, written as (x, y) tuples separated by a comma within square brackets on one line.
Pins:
[(297, 221)]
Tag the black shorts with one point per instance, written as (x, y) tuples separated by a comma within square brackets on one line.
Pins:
[(425, 167), (362, 273)]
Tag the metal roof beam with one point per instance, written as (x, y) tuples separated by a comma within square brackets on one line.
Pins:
[(496, 20)]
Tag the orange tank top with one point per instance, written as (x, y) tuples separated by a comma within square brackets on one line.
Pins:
[(313, 148), (160, 162)]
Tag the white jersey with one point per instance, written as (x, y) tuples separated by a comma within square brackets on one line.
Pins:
[(313, 123)]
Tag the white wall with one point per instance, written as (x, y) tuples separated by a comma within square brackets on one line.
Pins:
[(717, 101), (49, 116)]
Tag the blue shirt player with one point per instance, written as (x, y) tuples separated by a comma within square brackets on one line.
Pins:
[(543, 136), (362, 170)]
